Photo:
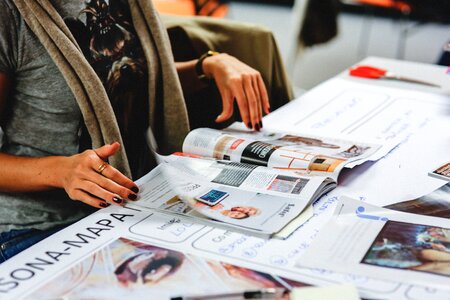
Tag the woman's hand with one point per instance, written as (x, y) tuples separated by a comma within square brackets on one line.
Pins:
[(237, 81), (88, 178)]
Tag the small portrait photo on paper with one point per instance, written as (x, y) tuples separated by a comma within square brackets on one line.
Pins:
[(411, 247), (241, 212)]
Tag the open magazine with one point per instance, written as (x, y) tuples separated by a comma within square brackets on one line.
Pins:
[(256, 183), (300, 154)]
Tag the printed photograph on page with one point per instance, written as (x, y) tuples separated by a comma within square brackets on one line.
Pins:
[(418, 248), (297, 153), (134, 270)]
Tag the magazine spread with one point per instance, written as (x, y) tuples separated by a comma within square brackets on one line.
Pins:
[(382, 243), (298, 153), (254, 199), (251, 182)]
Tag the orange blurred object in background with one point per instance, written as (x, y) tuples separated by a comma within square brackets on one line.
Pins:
[(393, 4), (213, 8)]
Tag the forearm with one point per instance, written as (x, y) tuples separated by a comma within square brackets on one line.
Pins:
[(188, 77), (30, 174)]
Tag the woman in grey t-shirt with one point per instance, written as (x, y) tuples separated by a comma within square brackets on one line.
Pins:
[(45, 160)]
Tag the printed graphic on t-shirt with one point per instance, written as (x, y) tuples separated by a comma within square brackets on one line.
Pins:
[(110, 44)]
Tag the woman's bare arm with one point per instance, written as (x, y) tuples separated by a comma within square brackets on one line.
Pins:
[(77, 174)]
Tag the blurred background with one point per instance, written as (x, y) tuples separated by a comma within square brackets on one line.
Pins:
[(320, 38)]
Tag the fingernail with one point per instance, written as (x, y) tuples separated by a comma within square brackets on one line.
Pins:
[(249, 125), (135, 189), (104, 204), (269, 109), (132, 197), (117, 200), (260, 124), (257, 127)]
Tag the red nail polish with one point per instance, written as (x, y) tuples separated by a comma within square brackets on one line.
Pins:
[(135, 189), (132, 197), (117, 200)]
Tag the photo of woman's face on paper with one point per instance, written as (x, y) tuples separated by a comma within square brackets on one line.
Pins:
[(134, 270), (149, 266), (241, 212)]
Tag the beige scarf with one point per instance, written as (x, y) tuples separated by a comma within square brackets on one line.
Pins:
[(168, 118)]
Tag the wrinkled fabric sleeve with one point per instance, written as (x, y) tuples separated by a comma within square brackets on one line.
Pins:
[(8, 37)]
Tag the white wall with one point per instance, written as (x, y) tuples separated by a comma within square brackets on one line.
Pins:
[(316, 64)]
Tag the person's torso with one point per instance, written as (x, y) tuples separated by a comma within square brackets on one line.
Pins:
[(43, 117)]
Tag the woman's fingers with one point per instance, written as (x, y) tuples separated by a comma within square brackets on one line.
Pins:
[(90, 179), (263, 95), (85, 197), (102, 167), (252, 101), (117, 177), (243, 104), (115, 189), (227, 106), (99, 192), (258, 96), (238, 82), (107, 150)]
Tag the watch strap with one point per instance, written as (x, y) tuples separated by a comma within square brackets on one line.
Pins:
[(199, 65)]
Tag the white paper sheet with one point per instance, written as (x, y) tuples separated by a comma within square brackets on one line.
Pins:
[(21, 275), (417, 123), (382, 243), (338, 292)]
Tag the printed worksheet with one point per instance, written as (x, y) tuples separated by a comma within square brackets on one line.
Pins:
[(119, 247)]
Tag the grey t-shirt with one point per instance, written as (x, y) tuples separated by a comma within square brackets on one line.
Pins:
[(43, 119)]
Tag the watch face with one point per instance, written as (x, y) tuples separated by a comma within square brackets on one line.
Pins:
[(212, 197)]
